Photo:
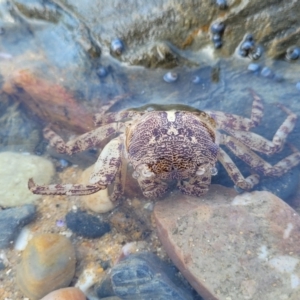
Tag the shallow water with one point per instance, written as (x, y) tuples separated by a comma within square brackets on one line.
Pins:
[(223, 85)]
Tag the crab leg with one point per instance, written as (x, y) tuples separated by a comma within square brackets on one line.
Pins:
[(105, 170), (197, 185), (257, 163), (152, 188), (259, 143), (233, 122), (101, 119), (82, 142), (235, 174)]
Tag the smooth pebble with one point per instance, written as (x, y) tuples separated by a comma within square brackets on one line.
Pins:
[(47, 263), (70, 293), (253, 67), (13, 185)]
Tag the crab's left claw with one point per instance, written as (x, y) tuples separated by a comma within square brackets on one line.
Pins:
[(64, 189)]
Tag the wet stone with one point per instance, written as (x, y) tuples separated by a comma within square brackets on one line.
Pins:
[(225, 243), (13, 185), (47, 263), (143, 276), (70, 293), (254, 67), (12, 220), (86, 225)]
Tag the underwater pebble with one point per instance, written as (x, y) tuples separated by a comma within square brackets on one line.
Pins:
[(102, 72), (70, 293), (47, 263), (298, 86), (217, 28), (143, 276), (292, 53), (98, 202), (222, 4), (23, 238), (266, 72), (117, 46), (247, 46), (170, 77), (12, 220), (253, 67), (13, 185), (86, 225)]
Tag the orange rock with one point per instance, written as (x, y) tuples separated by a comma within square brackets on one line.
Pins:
[(47, 264), (69, 293), (49, 101)]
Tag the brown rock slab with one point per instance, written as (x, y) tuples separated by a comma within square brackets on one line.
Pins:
[(49, 101), (231, 246)]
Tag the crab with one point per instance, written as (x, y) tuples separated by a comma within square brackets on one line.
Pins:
[(173, 144)]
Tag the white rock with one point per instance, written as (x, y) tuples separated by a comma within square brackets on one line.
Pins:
[(15, 170)]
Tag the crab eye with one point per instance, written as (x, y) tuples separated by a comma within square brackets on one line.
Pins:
[(147, 173), (144, 171), (201, 171), (135, 174)]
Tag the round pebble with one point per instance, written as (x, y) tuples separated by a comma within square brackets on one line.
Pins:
[(253, 67), (47, 263), (266, 72), (170, 77), (247, 46), (218, 44), (70, 293), (292, 53), (102, 72), (217, 28), (86, 225), (222, 4), (117, 46), (13, 185)]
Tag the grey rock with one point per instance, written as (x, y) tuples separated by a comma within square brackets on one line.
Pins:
[(142, 277), (183, 24), (12, 220), (86, 225)]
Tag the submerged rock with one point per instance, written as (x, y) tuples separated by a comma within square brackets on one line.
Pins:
[(143, 276), (70, 293), (47, 264), (12, 220), (86, 225), (232, 246), (15, 170)]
